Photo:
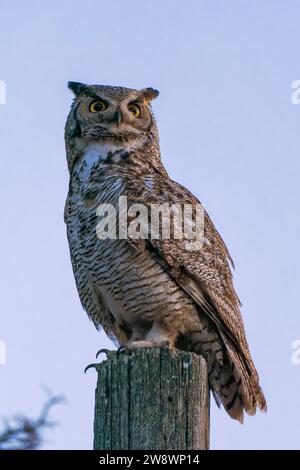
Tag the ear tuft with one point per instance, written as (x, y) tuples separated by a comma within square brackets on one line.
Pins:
[(76, 87), (149, 93)]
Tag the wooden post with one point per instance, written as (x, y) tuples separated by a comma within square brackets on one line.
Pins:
[(152, 399)]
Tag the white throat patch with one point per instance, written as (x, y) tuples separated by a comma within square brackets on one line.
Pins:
[(93, 155)]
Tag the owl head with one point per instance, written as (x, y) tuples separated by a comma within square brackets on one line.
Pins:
[(110, 114)]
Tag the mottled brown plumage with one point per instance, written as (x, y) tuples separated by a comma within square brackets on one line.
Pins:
[(146, 292)]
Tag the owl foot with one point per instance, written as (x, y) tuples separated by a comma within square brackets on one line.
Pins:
[(108, 355), (164, 344)]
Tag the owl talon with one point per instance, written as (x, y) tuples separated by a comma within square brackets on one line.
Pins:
[(165, 344), (105, 351), (124, 350), (90, 367)]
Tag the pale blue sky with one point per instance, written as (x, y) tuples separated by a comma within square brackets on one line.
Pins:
[(229, 132)]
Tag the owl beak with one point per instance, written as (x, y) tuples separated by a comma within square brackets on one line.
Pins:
[(117, 118)]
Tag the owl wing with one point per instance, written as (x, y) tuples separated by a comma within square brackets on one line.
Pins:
[(204, 274)]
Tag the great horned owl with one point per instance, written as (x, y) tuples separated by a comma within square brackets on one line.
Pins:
[(148, 292)]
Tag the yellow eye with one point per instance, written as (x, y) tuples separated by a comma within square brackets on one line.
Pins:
[(97, 106), (134, 109)]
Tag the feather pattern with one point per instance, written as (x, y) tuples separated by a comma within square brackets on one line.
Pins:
[(144, 291)]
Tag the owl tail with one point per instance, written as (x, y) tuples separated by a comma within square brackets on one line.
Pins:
[(231, 383), (247, 395), (228, 390)]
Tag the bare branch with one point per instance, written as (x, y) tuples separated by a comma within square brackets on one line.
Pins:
[(23, 433)]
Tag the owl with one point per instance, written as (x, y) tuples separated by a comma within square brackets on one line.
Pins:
[(149, 292)]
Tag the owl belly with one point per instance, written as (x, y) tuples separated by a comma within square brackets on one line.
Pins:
[(138, 292)]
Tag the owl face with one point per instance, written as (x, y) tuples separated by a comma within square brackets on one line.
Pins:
[(110, 114)]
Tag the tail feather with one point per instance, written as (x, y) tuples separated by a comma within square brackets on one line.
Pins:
[(233, 381), (228, 388), (253, 394)]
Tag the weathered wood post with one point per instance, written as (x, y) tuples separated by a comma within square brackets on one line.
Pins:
[(152, 399)]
